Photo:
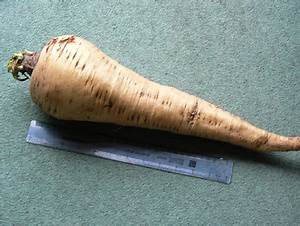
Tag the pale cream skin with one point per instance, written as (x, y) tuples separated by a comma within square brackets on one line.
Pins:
[(74, 80)]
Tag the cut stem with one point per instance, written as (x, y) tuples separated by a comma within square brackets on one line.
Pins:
[(22, 63)]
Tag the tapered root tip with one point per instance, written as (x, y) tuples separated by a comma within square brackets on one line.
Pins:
[(281, 143), (297, 143)]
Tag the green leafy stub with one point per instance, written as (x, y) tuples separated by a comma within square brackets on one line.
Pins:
[(14, 64), (22, 63)]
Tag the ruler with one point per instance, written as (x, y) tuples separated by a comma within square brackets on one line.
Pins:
[(98, 145)]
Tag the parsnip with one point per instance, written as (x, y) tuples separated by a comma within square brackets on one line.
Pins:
[(71, 79)]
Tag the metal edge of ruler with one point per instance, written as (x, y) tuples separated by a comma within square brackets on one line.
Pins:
[(208, 168)]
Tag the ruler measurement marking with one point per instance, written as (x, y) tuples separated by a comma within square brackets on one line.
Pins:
[(199, 166)]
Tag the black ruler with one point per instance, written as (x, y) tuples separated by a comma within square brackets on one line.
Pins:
[(79, 141)]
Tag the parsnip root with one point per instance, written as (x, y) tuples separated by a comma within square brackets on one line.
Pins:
[(71, 79)]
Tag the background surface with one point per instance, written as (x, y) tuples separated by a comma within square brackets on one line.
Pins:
[(242, 56)]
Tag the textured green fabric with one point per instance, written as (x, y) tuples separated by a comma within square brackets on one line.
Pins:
[(240, 55)]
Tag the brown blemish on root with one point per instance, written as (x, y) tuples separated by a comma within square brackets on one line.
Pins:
[(74, 55), (61, 52), (191, 114), (261, 141), (92, 88), (77, 63), (182, 110), (97, 94), (68, 39), (132, 117), (199, 115), (50, 43), (87, 80), (105, 94), (119, 110), (83, 66)]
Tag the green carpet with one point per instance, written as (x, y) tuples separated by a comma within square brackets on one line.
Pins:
[(240, 55)]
